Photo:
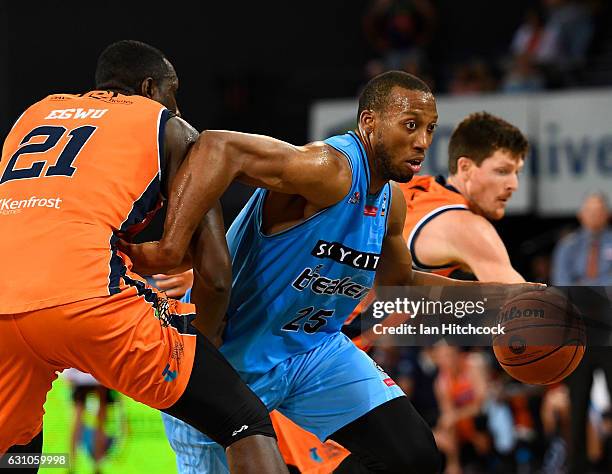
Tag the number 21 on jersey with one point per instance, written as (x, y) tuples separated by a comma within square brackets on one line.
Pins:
[(62, 167)]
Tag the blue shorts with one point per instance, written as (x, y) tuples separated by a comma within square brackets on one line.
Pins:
[(321, 390)]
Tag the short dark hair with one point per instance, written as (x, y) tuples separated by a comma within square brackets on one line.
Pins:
[(125, 64), (480, 135), (375, 94)]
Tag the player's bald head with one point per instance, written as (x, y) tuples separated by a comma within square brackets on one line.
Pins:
[(124, 65)]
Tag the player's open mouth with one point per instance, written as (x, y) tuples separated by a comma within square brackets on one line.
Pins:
[(415, 164)]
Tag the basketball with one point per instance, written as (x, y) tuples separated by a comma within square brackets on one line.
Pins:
[(544, 338)]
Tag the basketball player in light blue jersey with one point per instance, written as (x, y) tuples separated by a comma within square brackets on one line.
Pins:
[(323, 228)]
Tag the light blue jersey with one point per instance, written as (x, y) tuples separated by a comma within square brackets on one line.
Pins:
[(293, 289), (291, 293)]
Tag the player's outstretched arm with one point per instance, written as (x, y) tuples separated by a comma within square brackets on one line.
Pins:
[(317, 172), (466, 238), (395, 267)]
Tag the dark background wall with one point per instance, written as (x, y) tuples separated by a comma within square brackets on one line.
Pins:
[(249, 66)]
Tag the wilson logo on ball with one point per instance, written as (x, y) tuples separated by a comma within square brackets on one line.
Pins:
[(515, 313)]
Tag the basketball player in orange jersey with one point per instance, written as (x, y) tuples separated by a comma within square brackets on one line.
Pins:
[(77, 172), (448, 228), (448, 231)]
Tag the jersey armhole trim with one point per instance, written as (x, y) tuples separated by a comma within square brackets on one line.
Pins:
[(362, 154), (419, 227), (388, 209), (162, 118)]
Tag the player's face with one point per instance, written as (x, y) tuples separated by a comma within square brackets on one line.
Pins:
[(402, 134), (165, 90), (490, 186)]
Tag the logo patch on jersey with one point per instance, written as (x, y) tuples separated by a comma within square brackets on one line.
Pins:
[(10, 206), (242, 428), (314, 455), (107, 96), (326, 286), (345, 255), (383, 208), (169, 375), (178, 349), (354, 199), (370, 211), (389, 382)]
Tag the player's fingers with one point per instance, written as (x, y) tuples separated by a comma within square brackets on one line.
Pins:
[(177, 292), (125, 247), (168, 283), (162, 276)]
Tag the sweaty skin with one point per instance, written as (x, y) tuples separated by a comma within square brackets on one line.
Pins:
[(303, 180)]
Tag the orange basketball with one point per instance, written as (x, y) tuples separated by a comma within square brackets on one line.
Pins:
[(544, 337)]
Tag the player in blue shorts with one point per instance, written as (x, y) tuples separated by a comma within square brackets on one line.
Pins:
[(324, 227)]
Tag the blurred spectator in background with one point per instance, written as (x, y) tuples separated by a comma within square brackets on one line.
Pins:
[(555, 414), (584, 257), (565, 41), (414, 371), (95, 441), (523, 76), (567, 32), (474, 77), (400, 31), (461, 391), (529, 37), (605, 463)]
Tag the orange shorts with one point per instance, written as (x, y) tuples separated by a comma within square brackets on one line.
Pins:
[(124, 340), (302, 449)]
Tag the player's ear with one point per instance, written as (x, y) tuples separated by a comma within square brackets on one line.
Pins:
[(464, 164), (367, 120), (146, 88)]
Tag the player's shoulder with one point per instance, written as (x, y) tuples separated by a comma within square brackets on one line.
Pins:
[(330, 161), (462, 224), (180, 130), (348, 144)]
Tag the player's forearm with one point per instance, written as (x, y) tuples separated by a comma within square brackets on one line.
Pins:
[(201, 180), (211, 303), (431, 279), (212, 274), (501, 274)]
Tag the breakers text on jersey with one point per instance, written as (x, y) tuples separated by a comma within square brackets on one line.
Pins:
[(326, 286)]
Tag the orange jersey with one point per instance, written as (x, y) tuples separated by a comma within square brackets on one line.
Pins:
[(75, 170), (428, 197)]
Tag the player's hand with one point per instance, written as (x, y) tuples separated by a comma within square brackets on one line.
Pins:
[(521, 288), (175, 286), (148, 258)]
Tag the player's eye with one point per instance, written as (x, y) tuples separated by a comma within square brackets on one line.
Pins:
[(411, 125), (432, 127)]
